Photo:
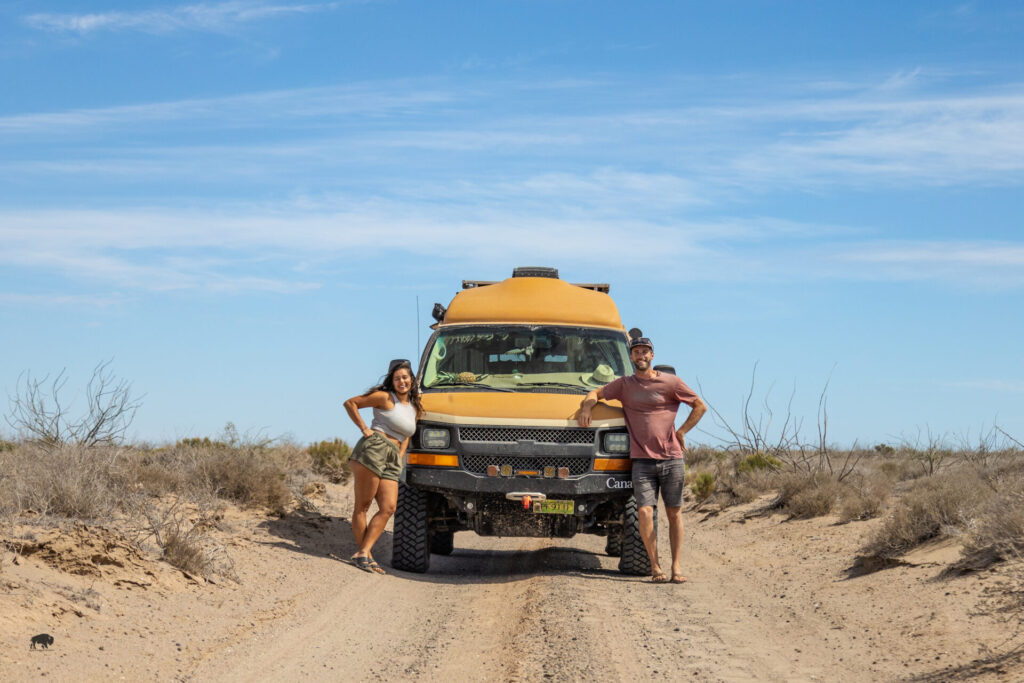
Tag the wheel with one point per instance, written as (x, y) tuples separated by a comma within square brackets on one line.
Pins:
[(410, 542), (634, 559), (613, 547), (442, 543)]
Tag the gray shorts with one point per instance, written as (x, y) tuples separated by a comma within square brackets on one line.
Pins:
[(651, 475)]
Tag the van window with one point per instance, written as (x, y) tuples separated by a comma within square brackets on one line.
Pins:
[(525, 358)]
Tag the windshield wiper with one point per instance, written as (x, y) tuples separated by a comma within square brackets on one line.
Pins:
[(457, 383), (553, 384)]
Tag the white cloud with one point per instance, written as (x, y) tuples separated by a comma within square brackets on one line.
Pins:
[(989, 255), (292, 246), (445, 178), (979, 263), (876, 135), (74, 300), (228, 249), (217, 17), (281, 107)]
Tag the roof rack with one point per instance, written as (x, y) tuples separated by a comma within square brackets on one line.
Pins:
[(602, 287), (596, 286)]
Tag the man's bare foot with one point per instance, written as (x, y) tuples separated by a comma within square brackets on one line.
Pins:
[(678, 578)]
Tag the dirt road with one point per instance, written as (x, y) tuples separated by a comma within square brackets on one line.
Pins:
[(767, 600), (514, 609)]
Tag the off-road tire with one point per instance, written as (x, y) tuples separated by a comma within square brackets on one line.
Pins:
[(613, 546), (410, 542), (634, 559), (442, 543)]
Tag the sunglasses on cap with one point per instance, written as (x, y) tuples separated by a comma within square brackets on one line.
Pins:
[(397, 362)]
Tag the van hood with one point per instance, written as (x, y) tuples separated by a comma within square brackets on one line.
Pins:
[(502, 408)]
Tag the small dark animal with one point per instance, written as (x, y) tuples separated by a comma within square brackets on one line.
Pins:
[(44, 639)]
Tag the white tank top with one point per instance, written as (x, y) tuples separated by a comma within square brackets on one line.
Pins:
[(398, 423)]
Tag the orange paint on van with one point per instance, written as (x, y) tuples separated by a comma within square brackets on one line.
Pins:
[(534, 300), (483, 404)]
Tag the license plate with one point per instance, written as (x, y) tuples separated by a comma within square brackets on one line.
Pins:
[(555, 507)]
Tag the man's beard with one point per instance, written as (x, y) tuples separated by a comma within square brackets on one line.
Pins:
[(636, 364)]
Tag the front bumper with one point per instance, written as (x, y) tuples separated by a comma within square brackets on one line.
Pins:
[(466, 484)]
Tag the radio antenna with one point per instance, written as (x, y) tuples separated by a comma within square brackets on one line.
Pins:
[(417, 323)]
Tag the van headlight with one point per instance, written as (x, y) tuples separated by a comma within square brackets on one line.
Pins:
[(433, 437), (615, 442)]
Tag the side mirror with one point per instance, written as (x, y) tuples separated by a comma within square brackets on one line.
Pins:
[(665, 368), (438, 312)]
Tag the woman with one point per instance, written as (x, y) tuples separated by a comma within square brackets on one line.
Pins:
[(377, 459)]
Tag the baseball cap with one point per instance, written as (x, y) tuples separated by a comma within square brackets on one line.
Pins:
[(640, 341)]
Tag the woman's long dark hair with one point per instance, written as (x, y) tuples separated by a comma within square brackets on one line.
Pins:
[(388, 385)]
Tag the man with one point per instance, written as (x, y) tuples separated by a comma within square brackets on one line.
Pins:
[(650, 400)]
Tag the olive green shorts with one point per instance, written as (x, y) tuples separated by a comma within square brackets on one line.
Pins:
[(378, 454)]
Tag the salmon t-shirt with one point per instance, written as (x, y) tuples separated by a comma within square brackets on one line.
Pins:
[(650, 406)]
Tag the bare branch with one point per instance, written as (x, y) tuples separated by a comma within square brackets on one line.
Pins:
[(1003, 432), (38, 414)]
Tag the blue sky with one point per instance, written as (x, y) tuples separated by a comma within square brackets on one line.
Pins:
[(240, 202)]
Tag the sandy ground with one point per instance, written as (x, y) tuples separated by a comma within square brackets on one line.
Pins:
[(767, 600)]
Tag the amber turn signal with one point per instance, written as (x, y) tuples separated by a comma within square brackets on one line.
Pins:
[(433, 460), (612, 464)]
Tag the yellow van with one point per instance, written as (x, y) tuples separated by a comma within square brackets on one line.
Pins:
[(499, 451)]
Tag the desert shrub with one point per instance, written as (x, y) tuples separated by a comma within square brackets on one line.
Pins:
[(751, 485), (804, 495), (72, 481), (899, 469), (758, 461), (180, 527), (863, 497), (204, 442), (249, 474), (935, 506), (157, 475), (998, 531), (183, 550), (330, 458), (788, 485), (703, 486), (884, 449), (248, 477), (700, 455), (817, 497), (6, 446)]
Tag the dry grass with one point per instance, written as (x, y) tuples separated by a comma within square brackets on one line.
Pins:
[(249, 475), (899, 469), (997, 533), (816, 496), (68, 481), (936, 506), (167, 495), (864, 497)]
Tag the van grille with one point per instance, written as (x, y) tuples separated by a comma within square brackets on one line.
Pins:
[(479, 463), (517, 434)]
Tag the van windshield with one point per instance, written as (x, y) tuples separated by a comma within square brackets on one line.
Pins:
[(540, 358)]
